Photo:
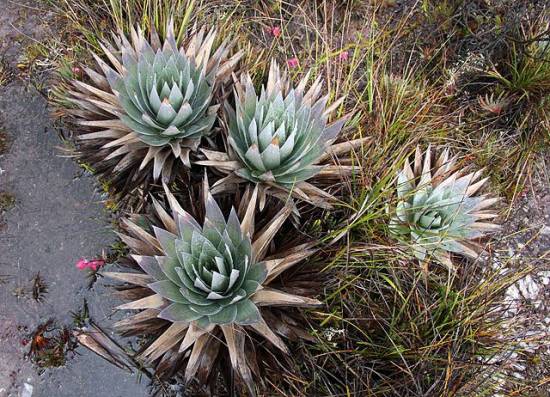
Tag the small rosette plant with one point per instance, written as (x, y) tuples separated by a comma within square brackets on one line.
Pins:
[(439, 210)]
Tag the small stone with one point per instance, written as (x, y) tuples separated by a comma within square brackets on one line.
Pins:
[(512, 293), (545, 230), (27, 390)]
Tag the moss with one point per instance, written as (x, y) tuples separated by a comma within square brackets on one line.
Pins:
[(7, 201), (4, 73), (3, 142), (51, 344)]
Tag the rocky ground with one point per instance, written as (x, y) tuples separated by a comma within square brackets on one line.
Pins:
[(525, 241), (50, 218)]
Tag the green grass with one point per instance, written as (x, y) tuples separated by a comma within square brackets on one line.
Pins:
[(392, 331), (526, 74)]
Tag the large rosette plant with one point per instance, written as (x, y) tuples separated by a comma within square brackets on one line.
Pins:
[(209, 282), (281, 139), (147, 106)]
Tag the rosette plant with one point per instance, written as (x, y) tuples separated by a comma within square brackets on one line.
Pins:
[(148, 105), (209, 283), (439, 210), (280, 139)]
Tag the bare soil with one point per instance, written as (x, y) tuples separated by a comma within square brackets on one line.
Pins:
[(57, 218)]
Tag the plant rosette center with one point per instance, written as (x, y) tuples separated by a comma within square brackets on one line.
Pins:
[(279, 134), (208, 275), (164, 95)]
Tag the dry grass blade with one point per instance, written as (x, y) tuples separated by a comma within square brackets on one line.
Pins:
[(93, 338)]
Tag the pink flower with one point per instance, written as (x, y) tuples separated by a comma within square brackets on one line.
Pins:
[(292, 62), (275, 31), (93, 264), (81, 264), (343, 56), (96, 264), (77, 71)]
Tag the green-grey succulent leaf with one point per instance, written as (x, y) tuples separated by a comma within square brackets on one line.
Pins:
[(206, 271), (151, 266), (247, 313), (226, 316), (167, 240), (168, 290), (179, 312), (168, 267)]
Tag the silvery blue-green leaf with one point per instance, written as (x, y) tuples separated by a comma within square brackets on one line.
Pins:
[(233, 277), (151, 266), (195, 297), (168, 266), (250, 286), (183, 114), (257, 272), (253, 157), (288, 147), (219, 282), (266, 136), (226, 316), (186, 280), (234, 228), (207, 310), (166, 113), (214, 214), (186, 225), (167, 289), (292, 178), (154, 100), (247, 312), (404, 186), (178, 312), (271, 157), (166, 240), (149, 121)]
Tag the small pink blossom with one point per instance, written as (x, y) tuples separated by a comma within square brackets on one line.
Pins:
[(96, 264), (93, 264), (81, 264), (275, 31), (292, 62), (343, 56), (77, 71)]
